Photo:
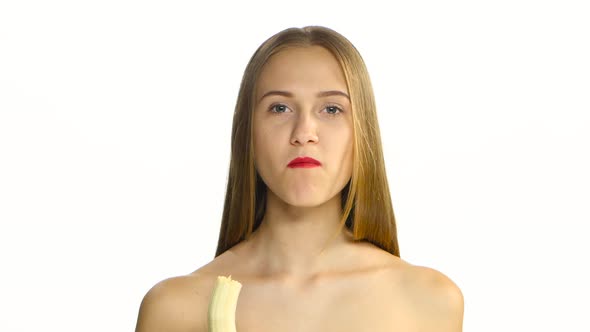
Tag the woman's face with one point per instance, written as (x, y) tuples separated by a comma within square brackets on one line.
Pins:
[(302, 109)]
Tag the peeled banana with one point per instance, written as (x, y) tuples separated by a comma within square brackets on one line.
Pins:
[(222, 307)]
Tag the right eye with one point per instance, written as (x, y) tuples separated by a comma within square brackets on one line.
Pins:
[(278, 108)]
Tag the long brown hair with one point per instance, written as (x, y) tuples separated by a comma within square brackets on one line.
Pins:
[(366, 200)]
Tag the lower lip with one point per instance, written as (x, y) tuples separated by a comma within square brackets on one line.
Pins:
[(303, 165)]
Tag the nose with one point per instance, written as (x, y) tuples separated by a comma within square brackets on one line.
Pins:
[(305, 130)]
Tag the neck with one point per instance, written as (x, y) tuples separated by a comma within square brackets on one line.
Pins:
[(298, 242)]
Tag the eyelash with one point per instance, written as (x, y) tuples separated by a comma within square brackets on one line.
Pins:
[(340, 110)]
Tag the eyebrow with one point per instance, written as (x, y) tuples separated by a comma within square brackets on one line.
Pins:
[(290, 95)]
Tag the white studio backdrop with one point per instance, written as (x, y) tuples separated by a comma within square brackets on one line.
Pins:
[(115, 120)]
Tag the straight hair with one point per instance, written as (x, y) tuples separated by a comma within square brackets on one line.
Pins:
[(366, 200)]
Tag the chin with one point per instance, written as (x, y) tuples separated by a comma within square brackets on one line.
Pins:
[(305, 201), (306, 204)]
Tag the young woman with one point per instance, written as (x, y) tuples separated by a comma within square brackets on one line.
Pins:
[(308, 227)]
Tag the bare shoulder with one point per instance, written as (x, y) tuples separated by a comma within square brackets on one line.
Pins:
[(176, 304), (416, 297), (433, 297), (180, 303)]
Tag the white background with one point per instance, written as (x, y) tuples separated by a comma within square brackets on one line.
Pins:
[(115, 120)]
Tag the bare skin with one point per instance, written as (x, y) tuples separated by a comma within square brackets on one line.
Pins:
[(294, 275), (370, 290)]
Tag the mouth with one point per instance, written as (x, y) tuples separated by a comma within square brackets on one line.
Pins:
[(303, 165), (305, 162)]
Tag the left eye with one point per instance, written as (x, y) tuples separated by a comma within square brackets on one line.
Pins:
[(333, 110)]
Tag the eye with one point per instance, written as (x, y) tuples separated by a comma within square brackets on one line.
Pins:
[(332, 110), (335, 109), (278, 108)]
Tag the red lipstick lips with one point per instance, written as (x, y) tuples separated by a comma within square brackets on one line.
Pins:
[(304, 162)]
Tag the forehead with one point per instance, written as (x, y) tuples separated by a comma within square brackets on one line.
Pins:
[(311, 68)]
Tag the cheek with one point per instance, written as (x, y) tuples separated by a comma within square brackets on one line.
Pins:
[(258, 150), (266, 146), (345, 150), (340, 140)]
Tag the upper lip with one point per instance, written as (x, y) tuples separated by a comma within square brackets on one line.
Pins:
[(300, 160)]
